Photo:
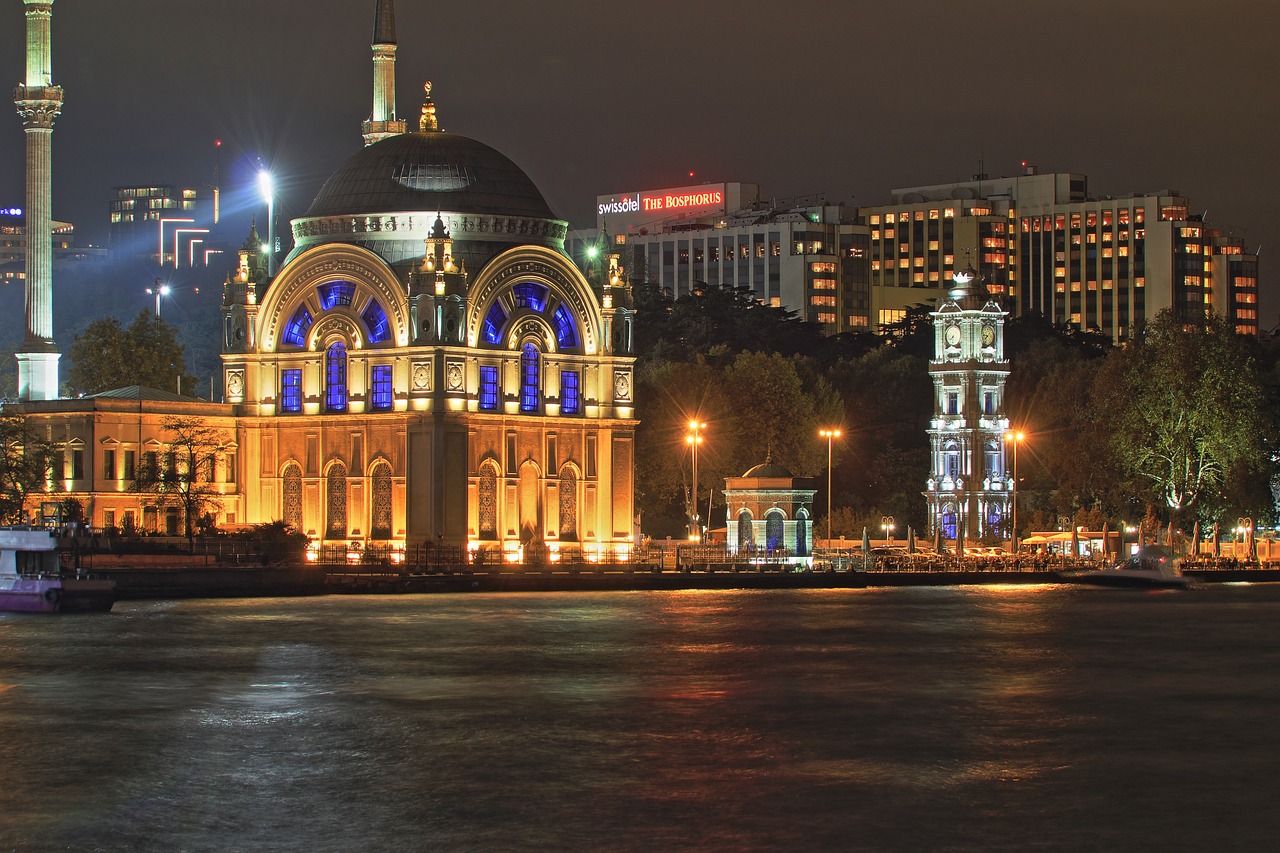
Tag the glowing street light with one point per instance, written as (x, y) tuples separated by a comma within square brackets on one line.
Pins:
[(887, 525), (830, 435), (693, 439), (266, 185), (1015, 437), (159, 290)]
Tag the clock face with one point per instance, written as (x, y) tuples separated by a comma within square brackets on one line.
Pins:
[(988, 336), (953, 336)]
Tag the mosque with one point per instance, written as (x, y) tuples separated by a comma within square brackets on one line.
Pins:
[(427, 365)]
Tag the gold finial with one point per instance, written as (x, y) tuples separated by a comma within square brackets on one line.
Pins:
[(428, 120)]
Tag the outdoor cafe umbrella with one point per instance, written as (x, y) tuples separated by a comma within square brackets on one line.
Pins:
[(1142, 536), (1168, 537), (959, 540), (1106, 540), (911, 540), (1217, 541), (1075, 542), (1195, 540), (937, 539), (866, 549)]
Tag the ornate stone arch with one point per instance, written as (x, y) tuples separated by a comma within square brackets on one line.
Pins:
[(547, 268), (487, 500), (569, 480), (746, 535), (291, 494), (774, 525), (335, 501), (295, 287), (380, 509)]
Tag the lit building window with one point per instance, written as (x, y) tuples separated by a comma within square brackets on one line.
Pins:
[(381, 386), (566, 332), (295, 332), (488, 388), (335, 293), (375, 320), (491, 329), (291, 390), (529, 379), (570, 398), (336, 376)]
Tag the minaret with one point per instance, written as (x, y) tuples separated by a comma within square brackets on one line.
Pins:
[(382, 121), (39, 102)]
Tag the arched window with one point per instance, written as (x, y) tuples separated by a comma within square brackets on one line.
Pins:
[(949, 521), (336, 502), (995, 519), (568, 504), (487, 498), (375, 320), (951, 460), (992, 460), (746, 536), (802, 535), (530, 396), (380, 513), (292, 496), (335, 371), (295, 332), (773, 531)]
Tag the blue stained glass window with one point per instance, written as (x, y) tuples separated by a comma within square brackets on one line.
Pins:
[(295, 333), (570, 401), (381, 381), (336, 374), (488, 388), (493, 323), (773, 531), (530, 295), (375, 319), (529, 374), (566, 331), (291, 390), (949, 522), (335, 293)]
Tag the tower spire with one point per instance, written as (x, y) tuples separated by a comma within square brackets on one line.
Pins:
[(39, 102), (382, 120)]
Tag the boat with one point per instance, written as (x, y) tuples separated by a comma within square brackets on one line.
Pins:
[(31, 580), (1152, 566)]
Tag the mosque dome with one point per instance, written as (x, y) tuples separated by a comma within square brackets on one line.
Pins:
[(429, 171)]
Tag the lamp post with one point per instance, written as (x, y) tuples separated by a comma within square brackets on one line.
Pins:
[(830, 435), (1015, 437), (159, 290), (693, 439), (267, 187), (886, 524)]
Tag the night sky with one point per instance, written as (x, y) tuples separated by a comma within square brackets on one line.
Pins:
[(589, 98)]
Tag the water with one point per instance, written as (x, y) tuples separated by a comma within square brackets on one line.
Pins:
[(954, 719)]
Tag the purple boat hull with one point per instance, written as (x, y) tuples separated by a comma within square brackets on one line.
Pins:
[(58, 595)]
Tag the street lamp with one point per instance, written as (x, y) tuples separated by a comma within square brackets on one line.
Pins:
[(267, 187), (693, 439), (159, 290), (886, 524), (830, 435), (1015, 437)]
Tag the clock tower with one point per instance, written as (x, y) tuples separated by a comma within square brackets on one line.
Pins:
[(969, 487)]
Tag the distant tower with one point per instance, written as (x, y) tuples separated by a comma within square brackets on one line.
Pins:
[(39, 102), (382, 121), (969, 486)]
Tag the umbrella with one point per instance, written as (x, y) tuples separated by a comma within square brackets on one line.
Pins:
[(1168, 537), (959, 540), (1075, 542), (1217, 541), (1195, 540), (866, 549), (1142, 536), (937, 538), (911, 540), (1106, 540)]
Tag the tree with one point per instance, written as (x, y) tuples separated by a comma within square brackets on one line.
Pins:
[(182, 475), (106, 356), (25, 461), (1189, 405)]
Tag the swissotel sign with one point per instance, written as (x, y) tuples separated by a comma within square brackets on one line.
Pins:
[(680, 200)]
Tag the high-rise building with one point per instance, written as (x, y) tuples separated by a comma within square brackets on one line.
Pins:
[(1104, 264), (802, 254)]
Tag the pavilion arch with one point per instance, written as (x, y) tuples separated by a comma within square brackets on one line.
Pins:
[(291, 493), (296, 287), (543, 268)]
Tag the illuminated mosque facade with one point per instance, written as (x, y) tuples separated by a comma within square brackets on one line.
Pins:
[(427, 365)]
